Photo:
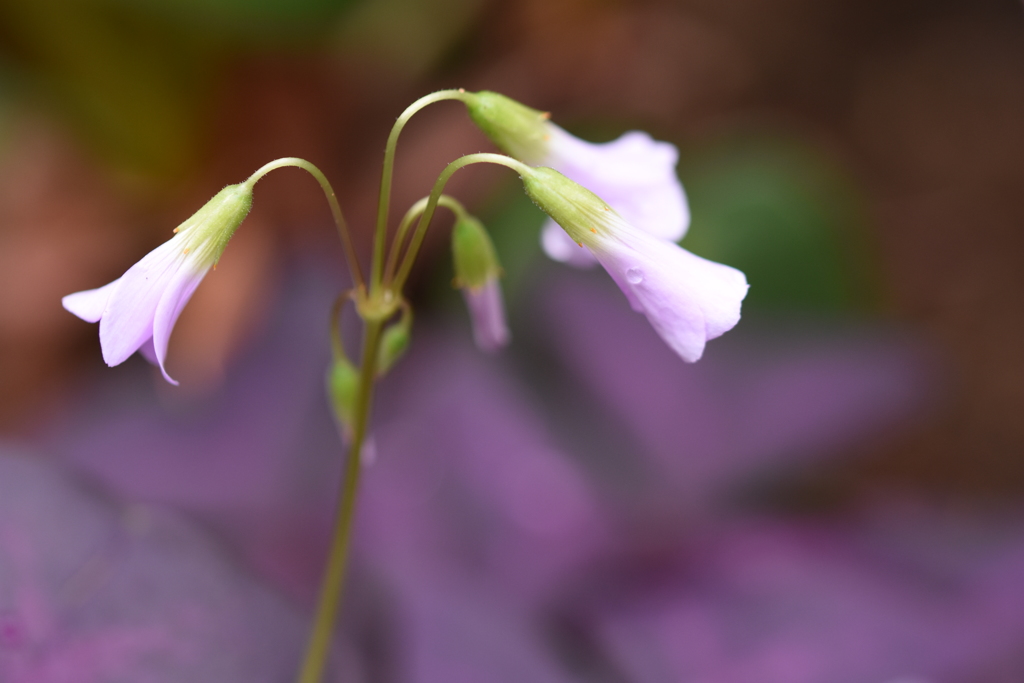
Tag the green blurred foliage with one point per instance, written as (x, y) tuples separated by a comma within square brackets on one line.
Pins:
[(260, 22), (133, 77), (7, 103), (777, 209), (770, 205), (408, 37)]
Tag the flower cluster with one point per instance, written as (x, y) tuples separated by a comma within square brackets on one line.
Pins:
[(619, 204), (631, 233)]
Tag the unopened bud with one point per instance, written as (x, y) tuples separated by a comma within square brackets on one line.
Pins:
[(473, 255), (343, 387), (394, 342)]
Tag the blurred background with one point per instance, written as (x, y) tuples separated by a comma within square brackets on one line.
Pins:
[(832, 494)]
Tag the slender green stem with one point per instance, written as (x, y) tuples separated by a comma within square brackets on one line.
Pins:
[(332, 199), (387, 172), (334, 575), (435, 195), (414, 212), (337, 345)]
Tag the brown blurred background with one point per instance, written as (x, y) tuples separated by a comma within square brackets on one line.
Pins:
[(859, 160)]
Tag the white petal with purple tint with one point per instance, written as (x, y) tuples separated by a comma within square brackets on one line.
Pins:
[(487, 313), (179, 290), (635, 174), (89, 305), (687, 299), (127, 320)]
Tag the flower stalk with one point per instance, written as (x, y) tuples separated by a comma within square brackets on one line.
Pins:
[(328, 604), (384, 201), (332, 200)]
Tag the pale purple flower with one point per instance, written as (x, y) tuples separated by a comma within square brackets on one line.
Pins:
[(137, 311), (687, 299), (635, 174), (487, 313)]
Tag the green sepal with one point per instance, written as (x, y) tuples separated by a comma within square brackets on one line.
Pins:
[(473, 255), (394, 342), (343, 388), (517, 130), (580, 212), (208, 230)]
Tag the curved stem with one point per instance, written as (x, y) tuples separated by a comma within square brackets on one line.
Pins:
[(332, 199), (383, 205), (435, 195), (414, 212), (337, 345), (334, 575)]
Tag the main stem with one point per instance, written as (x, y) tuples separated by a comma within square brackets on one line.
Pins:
[(334, 575)]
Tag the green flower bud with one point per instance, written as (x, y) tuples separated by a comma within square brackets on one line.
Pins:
[(394, 341), (582, 214), (516, 129), (342, 387), (473, 254)]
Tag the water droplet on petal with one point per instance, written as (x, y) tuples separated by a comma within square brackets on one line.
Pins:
[(634, 276)]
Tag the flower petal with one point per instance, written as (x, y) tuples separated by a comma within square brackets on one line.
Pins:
[(148, 352), (635, 174), (89, 304), (687, 299), (127, 320), (560, 247), (487, 313), (176, 294)]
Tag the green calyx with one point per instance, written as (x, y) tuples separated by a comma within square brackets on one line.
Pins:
[(580, 212), (473, 254), (209, 229), (394, 341), (343, 387), (517, 130)]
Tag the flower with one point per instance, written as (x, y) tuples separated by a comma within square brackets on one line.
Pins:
[(137, 311), (476, 272), (635, 174), (687, 299)]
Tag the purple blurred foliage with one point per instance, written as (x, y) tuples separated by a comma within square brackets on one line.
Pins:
[(764, 398), (483, 528), (92, 591), (794, 603), (258, 460)]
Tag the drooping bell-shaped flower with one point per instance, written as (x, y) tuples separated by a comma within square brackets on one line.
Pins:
[(687, 299), (137, 311), (477, 274), (635, 174)]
